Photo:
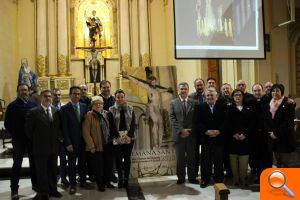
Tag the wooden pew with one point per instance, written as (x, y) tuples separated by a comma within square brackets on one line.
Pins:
[(221, 191)]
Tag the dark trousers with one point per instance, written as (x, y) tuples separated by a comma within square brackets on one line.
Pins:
[(97, 165), (19, 149), (263, 152), (62, 161), (80, 154), (185, 155), (123, 151), (46, 171), (212, 154), (197, 157), (108, 156), (226, 160)]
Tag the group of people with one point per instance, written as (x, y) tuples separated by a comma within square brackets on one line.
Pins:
[(234, 129), (86, 133), (93, 135)]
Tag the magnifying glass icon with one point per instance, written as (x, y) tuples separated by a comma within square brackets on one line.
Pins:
[(277, 180)]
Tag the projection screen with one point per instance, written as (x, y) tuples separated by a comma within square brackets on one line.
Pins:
[(219, 29)]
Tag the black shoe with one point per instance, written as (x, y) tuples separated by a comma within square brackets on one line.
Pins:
[(180, 181), (253, 171), (193, 181), (120, 183), (101, 188), (109, 185), (125, 184), (92, 179), (34, 188), (72, 190), (114, 179), (14, 196), (41, 197), (203, 184), (55, 194), (86, 186), (65, 182)]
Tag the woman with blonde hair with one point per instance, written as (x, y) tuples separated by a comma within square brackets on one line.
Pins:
[(97, 132)]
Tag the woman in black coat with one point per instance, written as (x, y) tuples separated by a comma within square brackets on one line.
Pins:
[(240, 123), (279, 123), (124, 119)]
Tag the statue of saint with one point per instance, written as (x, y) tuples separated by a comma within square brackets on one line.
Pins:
[(95, 26), (26, 75)]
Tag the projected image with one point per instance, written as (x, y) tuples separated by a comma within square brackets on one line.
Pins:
[(219, 29), (209, 22)]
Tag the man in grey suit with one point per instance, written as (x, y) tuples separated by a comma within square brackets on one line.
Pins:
[(181, 116), (42, 129)]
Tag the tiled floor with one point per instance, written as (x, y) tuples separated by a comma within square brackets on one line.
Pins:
[(154, 188)]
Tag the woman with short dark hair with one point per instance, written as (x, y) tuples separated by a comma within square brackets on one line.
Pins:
[(279, 123), (240, 123), (124, 118)]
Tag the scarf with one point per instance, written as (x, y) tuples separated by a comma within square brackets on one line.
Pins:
[(104, 124), (274, 105), (116, 110)]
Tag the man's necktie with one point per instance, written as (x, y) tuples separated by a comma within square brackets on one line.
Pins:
[(77, 112), (201, 98), (184, 108), (49, 114)]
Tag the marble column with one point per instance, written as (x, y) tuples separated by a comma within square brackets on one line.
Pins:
[(125, 34), (41, 37), (144, 32), (62, 38)]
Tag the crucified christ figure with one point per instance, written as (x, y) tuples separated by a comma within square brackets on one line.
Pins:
[(153, 92)]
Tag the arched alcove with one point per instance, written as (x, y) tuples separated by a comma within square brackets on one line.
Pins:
[(106, 10)]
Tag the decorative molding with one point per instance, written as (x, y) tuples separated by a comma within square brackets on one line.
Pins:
[(125, 61), (41, 65), (62, 65), (44, 83), (63, 84), (145, 60)]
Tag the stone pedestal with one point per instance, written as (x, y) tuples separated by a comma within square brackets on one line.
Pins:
[(63, 83), (44, 83)]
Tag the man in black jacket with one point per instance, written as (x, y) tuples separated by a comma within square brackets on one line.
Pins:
[(209, 122), (108, 101), (14, 124), (42, 129)]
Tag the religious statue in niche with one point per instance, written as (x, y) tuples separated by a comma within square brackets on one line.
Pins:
[(94, 68), (26, 75), (95, 26)]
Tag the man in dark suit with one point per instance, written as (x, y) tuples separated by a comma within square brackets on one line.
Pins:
[(42, 129), (199, 97), (181, 116), (72, 117), (249, 99), (14, 124), (108, 101), (209, 122)]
